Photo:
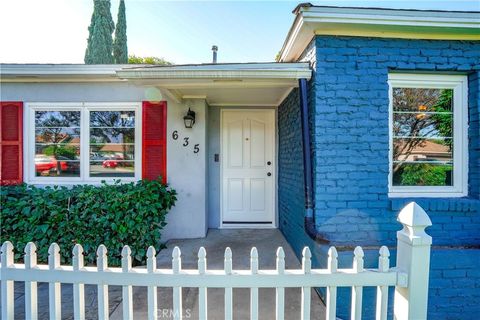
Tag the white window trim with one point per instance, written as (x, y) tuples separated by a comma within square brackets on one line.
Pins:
[(84, 108), (459, 84)]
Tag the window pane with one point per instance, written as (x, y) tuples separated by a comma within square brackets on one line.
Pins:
[(58, 151), (119, 119), (430, 150), (109, 135), (112, 144), (57, 143), (66, 119), (422, 137), (432, 125), (422, 99), (422, 174), (112, 151), (112, 168), (57, 135)]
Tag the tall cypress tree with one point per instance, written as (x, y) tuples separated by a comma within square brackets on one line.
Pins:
[(120, 50), (100, 42)]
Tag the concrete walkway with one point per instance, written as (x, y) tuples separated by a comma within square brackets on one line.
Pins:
[(240, 241)]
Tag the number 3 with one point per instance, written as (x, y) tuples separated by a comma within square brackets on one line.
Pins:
[(186, 142)]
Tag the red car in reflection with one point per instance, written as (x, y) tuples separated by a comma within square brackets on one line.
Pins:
[(110, 164), (46, 163)]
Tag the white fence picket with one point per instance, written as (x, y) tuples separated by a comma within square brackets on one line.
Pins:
[(54, 288), (228, 290), (102, 266), (306, 291), (31, 304), (202, 291), (127, 298), (357, 291), (410, 278), (382, 291), (7, 285), (280, 291), (78, 288), (177, 291), (332, 290), (152, 290), (254, 290)]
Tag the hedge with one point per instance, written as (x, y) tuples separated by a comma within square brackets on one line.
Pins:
[(115, 215)]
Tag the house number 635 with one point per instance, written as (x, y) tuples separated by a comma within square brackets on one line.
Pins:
[(186, 141)]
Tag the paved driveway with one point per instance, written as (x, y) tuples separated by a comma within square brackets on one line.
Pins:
[(240, 241)]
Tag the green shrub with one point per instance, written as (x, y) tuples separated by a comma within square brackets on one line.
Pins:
[(111, 214), (423, 174)]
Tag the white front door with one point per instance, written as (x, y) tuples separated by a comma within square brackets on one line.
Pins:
[(248, 168)]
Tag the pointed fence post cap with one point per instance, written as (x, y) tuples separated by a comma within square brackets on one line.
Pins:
[(126, 251), (306, 253), (101, 251), (151, 253), (30, 248), (202, 253), (254, 252), (7, 247), (176, 253), (332, 253), (7, 254), (54, 249), (413, 215)]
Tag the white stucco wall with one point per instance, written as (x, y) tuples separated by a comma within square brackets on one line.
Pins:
[(186, 170)]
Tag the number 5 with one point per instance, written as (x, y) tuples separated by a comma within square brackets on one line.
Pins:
[(196, 148)]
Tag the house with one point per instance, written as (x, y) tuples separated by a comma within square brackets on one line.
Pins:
[(365, 110)]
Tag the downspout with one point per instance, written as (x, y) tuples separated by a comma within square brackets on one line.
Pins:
[(310, 228)]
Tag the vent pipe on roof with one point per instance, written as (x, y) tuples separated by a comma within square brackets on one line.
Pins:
[(214, 49)]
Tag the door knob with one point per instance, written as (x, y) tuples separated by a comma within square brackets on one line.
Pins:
[(269, 174), (269, 162)]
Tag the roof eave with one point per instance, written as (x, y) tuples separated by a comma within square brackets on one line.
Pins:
[(385, 23), (60, 72), (98, 73), (215, 74)]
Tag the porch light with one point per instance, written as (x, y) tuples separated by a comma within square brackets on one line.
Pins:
[(189, 119)]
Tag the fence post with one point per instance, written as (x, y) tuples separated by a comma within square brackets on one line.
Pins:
[(413, 258), (7, 285)]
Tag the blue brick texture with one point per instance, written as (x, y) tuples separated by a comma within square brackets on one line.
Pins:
[(348, 101)]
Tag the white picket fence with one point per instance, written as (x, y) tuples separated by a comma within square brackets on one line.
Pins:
[(410, 278)]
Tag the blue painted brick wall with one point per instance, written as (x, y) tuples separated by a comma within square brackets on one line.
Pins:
[(290, 179), (349, 113), (291, 196), (351, 138)]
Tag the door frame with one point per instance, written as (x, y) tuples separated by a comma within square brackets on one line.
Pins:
[(274, 223)]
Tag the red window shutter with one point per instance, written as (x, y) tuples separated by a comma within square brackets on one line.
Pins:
[(154, 146), (11, 143)]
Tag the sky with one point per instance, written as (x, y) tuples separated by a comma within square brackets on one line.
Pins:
[(56, 31)]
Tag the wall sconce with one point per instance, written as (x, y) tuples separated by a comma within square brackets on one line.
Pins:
[(189, 119)]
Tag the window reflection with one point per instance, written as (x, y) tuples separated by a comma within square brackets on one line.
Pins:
[(112, 139), (57, 143), (422, 137)]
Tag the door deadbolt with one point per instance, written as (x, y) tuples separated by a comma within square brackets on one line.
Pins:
[(269, 174), (269, 162)]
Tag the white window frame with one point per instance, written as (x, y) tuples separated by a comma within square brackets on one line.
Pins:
[(460, 133), (84, 108)]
